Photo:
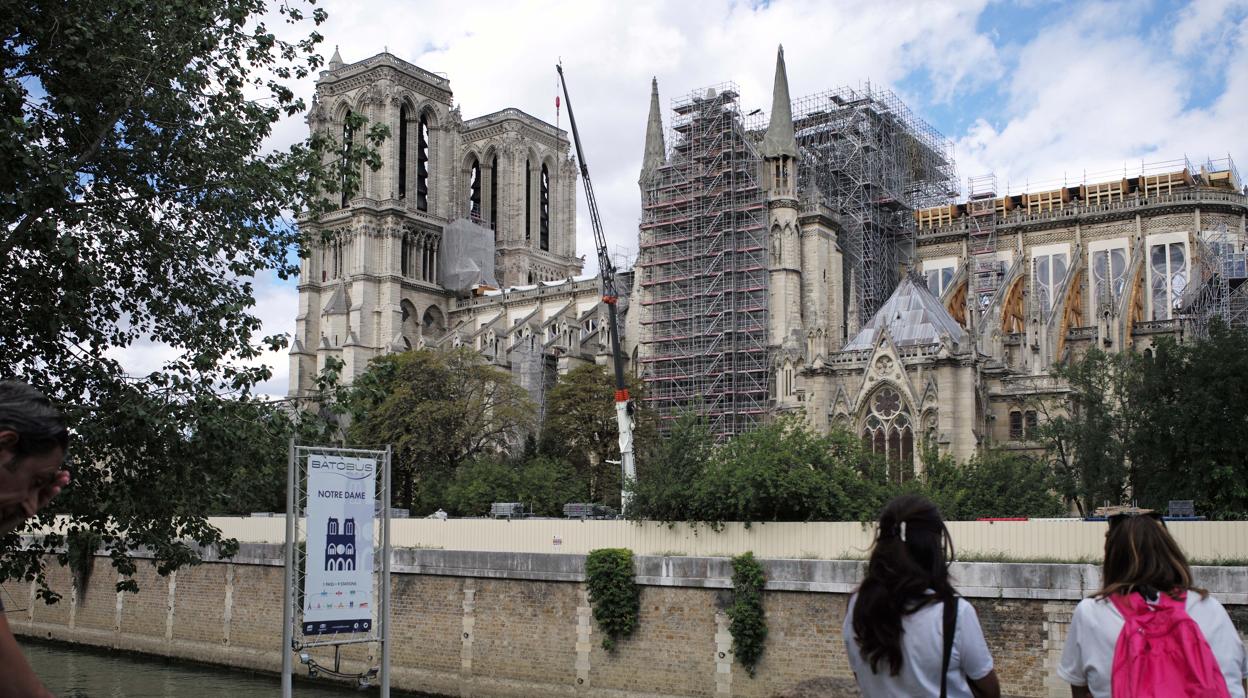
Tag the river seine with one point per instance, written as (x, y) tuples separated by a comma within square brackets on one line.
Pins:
[(77, 672)]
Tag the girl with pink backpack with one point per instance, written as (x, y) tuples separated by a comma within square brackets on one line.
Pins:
[(1149, 633)]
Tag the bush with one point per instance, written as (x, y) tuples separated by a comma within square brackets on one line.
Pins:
[(478, 484), (613, 593), (546, 484), (780, 471), (749, 625)]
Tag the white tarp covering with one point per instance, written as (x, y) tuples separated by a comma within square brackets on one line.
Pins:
[(338, 583), (466, 257)]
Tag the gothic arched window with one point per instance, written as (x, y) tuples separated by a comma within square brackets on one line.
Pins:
[(494, 196), (404, 254), (544, 210), (348, 136), (403, 117), (888, 429), (474, 191), (422, 164), (528, 204)]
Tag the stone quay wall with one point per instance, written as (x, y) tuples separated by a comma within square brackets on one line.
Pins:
[(495, 624)]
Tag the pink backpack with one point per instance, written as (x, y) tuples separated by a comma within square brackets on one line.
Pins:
[(1161, 652)]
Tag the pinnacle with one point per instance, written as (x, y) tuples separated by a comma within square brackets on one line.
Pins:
[(779, 139)]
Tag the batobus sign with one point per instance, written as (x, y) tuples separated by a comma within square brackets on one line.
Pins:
[(338, 581)]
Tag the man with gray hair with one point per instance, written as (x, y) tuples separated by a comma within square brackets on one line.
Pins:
[(33, 441)]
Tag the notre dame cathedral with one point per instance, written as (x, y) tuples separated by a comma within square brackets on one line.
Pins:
[(465, 236), (816, 260)]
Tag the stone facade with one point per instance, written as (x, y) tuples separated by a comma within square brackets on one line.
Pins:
[(376, 278), (513, 625), (993, 293), (1049, 283), (995, 290)]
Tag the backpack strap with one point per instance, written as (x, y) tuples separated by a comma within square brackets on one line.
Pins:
[(950, 627)]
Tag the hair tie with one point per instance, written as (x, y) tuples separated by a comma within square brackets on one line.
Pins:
[(899, 531)]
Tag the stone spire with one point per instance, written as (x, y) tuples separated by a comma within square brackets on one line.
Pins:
[(335, 62), (656, 152), (779, 139)]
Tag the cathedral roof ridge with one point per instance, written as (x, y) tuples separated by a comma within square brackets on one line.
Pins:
[(911, 316), (340, 68), (513, 113)]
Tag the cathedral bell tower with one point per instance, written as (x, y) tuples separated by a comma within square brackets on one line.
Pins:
[(779, 151)]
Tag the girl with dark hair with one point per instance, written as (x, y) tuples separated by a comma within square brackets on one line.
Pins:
[(906, 631), (1182, 643)]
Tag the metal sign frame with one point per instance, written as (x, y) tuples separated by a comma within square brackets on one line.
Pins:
[(296, 559)]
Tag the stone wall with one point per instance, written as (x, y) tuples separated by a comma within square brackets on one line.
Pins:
[(500, 624)]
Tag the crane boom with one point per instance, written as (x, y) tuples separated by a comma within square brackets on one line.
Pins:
[(606, 270)]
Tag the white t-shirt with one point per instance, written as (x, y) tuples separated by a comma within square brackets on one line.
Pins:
[(1088, 657), (922, 644)]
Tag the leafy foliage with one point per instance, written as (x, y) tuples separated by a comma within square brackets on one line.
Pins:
[(783, 472), (543, 484), (667, 470), (132, 181), (438, 410), (1091, 445), (993, 484), (613, 592), (580, 426), (748, 624), (1157, 428)]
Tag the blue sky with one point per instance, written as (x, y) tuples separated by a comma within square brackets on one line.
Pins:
[(1032, 91)]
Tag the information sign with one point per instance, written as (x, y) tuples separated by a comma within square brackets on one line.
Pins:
[(338, 581)]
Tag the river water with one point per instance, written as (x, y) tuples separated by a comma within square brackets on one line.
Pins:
[(78, 672)]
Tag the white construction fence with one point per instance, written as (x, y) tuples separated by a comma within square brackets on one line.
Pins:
[(1057, 540)]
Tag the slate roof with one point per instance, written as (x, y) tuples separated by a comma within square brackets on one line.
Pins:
[(913, 316)]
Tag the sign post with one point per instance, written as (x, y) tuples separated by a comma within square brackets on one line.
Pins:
[(332, 504), (288, 581)]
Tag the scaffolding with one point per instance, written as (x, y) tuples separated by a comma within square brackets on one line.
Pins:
[(864, 154), (703, 272), (1220, 290), (987, 269)]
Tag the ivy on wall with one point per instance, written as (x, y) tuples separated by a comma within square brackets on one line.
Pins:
[(81, 545), (613, 593), (749, 625)]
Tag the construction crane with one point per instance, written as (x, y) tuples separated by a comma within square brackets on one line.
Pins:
[(606, 272)]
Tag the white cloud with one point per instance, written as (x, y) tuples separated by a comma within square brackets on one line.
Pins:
[(1085, 98), (1201, 24)]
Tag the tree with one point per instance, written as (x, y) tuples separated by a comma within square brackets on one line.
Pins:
[(1151, 428), (580, 425), (479, 483), (1191, 438), (667, 471), (438, 410), (132, 182), (1090, 444), (993, 484), (780, 471), (542, 484)]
